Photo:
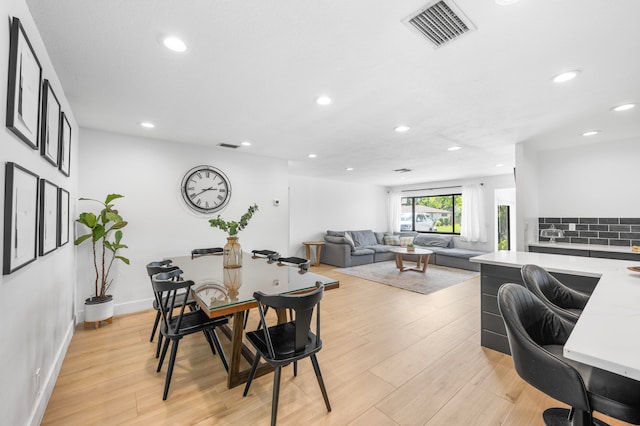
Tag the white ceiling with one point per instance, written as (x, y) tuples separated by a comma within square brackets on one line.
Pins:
[(254, 68)]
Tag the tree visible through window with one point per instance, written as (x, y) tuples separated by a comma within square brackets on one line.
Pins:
[(440, 214)]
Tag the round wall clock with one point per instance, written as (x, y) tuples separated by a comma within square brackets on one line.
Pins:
[(205, 189)]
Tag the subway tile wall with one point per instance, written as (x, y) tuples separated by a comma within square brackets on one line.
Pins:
[(613, 231)]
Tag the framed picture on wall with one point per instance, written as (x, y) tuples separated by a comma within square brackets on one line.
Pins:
[(24, 91), (63, 217), (65, 145), (50, 132), (48, 217), (20, 218)]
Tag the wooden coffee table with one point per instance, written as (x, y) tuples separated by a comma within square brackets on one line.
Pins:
[(421, 262)]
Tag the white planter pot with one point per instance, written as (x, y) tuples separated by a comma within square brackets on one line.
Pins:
[(96, 311)]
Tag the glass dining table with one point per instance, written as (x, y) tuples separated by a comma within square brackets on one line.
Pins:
[(221, 292)]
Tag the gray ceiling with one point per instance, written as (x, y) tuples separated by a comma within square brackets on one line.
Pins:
[(254, 68)]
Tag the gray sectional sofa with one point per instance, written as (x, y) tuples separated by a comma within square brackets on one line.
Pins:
[(352, 248)]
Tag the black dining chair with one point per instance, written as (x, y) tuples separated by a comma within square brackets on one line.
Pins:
[(283, 344), (552, 292), (173, 296), (206, 251), (157, 267), (537, 336)]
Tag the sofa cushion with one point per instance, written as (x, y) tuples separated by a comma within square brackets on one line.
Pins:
[(392, 240), (361, 251), (335, 233), (379, 248), (429, 240), (363, 238), (460, 253), (380, 236)]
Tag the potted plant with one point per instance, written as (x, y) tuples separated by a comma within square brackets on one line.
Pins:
[(232, 256), (105, 235)]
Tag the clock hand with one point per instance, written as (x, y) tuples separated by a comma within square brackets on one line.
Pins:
[(211, 188)]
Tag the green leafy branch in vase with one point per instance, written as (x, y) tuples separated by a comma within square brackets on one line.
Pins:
[(232, 227)]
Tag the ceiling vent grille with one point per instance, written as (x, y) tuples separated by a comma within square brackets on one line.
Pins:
[(228, 145), (402, 170), (440, 22)]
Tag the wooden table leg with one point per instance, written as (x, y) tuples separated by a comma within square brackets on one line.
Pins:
[(307, 250), (318, 250), (235, 376)]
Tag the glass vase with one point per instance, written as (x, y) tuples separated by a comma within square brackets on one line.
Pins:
[(232, 256)]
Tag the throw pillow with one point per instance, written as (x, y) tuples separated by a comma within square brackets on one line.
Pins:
[(405, 241), (349, 239), (392, 240)]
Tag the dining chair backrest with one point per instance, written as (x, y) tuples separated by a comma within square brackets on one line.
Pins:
[(302, 305), (154, 268), (206, 251), (171, 293)]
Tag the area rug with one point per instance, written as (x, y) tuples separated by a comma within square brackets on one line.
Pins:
[(434, 279)]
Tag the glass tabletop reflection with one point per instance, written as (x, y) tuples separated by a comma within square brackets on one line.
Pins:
[(221, 289)]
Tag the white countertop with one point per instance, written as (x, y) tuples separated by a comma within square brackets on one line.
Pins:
[(606, 334), (575, 246)]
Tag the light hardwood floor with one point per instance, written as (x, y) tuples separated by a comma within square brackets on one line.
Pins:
[(390, 357)]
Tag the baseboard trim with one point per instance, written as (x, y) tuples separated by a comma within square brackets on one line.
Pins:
[(52, 376), (123, 308)]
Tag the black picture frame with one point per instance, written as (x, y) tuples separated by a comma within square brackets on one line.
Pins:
[(50, 129), (20, 218), (63, 217), (25, 87), (64, 162), (48, 213)]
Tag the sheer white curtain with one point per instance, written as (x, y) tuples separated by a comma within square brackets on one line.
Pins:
[(394, 211), (473, 221)]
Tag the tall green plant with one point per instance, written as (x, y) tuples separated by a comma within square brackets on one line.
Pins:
[(104, 231)]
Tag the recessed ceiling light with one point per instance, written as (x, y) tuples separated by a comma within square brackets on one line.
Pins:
[(624, 107), (506, 2), (312, 156), (324, 100), (499, 165), (245, 143), (591, 133), (174, 44), (454, 148), (147, 124), (566, 76), (402, 129), (349, 169)]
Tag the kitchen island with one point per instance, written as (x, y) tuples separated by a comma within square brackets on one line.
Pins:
[(606, 333)]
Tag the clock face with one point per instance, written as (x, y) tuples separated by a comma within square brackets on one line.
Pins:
[(206, 189)]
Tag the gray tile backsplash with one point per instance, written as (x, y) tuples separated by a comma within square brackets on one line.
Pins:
[(612, 231)]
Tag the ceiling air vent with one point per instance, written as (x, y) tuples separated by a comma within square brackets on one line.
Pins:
[(440, 22), (402, 170), (228, 145)]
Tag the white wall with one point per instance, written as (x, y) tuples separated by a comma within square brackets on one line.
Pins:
[(490, 184), (318, 205), (596, 180), (148, 173), (36, 301)]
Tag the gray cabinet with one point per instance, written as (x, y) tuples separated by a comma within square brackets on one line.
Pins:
[(493, 333)]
